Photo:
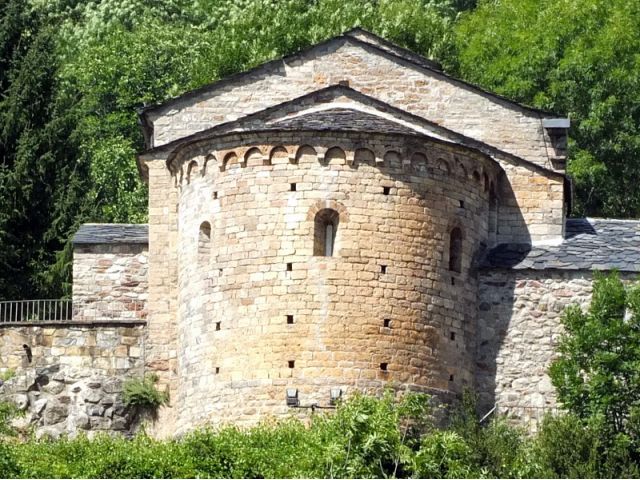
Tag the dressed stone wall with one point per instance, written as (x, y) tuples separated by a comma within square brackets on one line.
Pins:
[(253, 297), (404, 85), (68, 376), (162, 338), (519, 314)]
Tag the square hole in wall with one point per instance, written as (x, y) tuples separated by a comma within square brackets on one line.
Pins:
[(452, 335), (386, 190), (461, 204), (217, 370), (293, 187), (384, 366), (215, 195), (291, 363), (387, 323), (453, 281), (218, 326), (383, 269), (451, 378), (290, 319), (289, 267)]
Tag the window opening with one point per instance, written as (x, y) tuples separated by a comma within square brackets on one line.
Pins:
[(326, 226), (455, 250)]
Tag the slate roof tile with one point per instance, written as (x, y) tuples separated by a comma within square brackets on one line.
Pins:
[(589, 244), (342, 119), (111, 233)]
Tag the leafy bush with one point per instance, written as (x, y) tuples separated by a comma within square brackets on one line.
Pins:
[(8, 411), (366, 437), (142, 393), (445, 455), (7, 375)]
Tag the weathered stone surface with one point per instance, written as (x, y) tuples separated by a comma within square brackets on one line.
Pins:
[(82, 421), (113, 386), (21, 401), (92, 396), (55, 413), (64, 386), (518, 334), (39, 405), (110, 282), (54, 387)]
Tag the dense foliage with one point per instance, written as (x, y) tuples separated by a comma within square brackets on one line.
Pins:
[(597, 372), (143, 393), (73, 72), (578, 58), (366, 438)]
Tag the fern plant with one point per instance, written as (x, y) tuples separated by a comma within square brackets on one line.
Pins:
[(142, 393)]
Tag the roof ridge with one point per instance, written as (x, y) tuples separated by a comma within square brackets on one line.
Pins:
[(115, 224), (603, 219), (347, 37), (359, 96)]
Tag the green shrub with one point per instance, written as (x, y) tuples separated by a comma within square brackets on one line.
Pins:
[(142, 393), (565, 448), (366, 437), (497, 448), (7, 375), (445, 454), (8, 411), (8, 464)]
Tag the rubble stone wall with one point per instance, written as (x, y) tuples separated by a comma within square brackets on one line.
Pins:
[(110, 278), (259, 312), (519, 325), (68, 377)]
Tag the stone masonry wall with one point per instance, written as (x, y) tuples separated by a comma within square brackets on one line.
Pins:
[(536, 196), (258, 312), (68, 377), (518, 329), (161, 343), (400, 83), (110, 280)]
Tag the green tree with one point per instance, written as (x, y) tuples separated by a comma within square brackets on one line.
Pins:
[(137, 52), (42, 184), (597, 372), (577, 58)]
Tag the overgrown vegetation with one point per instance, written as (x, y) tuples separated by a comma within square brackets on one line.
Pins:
[(366, 437), (597, 376), (73, 72)]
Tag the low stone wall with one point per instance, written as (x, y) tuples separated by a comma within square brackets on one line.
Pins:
[(519, 325), (69, 376)]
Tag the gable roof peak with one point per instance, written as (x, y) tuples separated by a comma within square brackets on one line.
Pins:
[(361, 34), (357, 36)]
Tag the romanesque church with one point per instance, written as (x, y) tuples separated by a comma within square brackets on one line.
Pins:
[(347, 218)]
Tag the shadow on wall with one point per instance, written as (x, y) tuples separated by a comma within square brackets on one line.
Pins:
[(496, 302)]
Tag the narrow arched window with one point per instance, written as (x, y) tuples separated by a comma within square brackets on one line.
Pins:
[(455, 250), (325, 230), (204, 240)]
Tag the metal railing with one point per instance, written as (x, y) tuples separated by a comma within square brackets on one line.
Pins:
[(62, 310)]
